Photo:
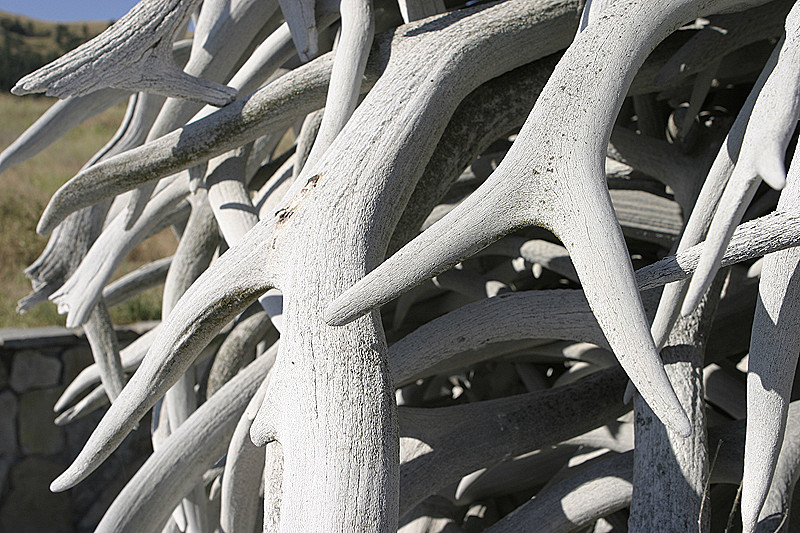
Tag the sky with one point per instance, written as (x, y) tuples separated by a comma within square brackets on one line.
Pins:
[(68, 10)]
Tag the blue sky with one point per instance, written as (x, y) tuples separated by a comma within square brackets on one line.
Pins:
[(69, 10)]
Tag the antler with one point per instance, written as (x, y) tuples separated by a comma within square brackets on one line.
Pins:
[(120, 57), (564, 191)]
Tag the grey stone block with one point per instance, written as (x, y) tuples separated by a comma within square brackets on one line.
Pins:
[(30, 507), (75, 359), (37, 432), (32, 370), (5, 467), (8, 424)]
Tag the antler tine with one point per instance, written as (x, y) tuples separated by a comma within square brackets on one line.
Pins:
[(773, 358), (265, 61), (55, 122), (579, 499), (95, 399), (770, 126), (119, 58), (768, 234), (560, 314), (205, 308), (537, 469), (590, 493), (216, 134), (695, 228), (438, 446), (435, 250), (299, 15), (238, 348), (781, 496), (62, 256), (145, 277), (130, 356), (81, 291), (195, 250), (105, 349), (566, 192), (224, 31), (358, 30), (147, 500), (66, 114), (722, 35), (228, 196), (233, 209), (242, 121), (244, 467)]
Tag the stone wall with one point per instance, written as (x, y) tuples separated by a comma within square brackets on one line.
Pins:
[(35, 367)]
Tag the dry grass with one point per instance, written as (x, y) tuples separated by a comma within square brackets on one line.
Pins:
[(27, 189)]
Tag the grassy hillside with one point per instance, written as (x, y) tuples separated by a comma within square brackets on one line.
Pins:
[(27, 44), (27, 189)]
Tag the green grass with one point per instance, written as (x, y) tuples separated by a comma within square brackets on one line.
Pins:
[(26, 190)]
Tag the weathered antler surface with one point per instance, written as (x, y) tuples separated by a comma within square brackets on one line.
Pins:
[(66, 114), (244, 468), (141, 279), (667, 467), (567, 195), (355, 41), (377, 419), (148, 499), (769, 128), (224, 30), (412, 139), (135, 53), (60, 118), (439, 446), (722, 35), (79, 293), (772, 361)]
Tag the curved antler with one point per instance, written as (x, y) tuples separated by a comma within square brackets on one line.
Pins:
[(564, 190)]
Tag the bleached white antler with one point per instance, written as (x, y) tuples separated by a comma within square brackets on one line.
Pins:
[(772, 362), (769, 128), (120, 57), (565, 191)]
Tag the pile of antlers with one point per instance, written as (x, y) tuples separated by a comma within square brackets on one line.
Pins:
[(489, 391)]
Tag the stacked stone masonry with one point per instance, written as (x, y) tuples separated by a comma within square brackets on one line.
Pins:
[(35, 367)]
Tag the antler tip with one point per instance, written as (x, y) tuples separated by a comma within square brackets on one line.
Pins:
[(689, 304), (25, 85), (667, 407), (224, 96), (341, 312), (48, 221), (630, 391), (681, 425), (63, 482), (773, 173)]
